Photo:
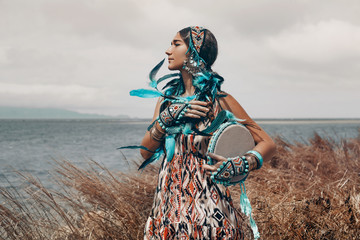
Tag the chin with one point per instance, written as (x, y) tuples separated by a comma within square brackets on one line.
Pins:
[(173, 67), (170, 67)]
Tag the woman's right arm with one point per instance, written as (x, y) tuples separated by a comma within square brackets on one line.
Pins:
[(148, 141), (151, 140)]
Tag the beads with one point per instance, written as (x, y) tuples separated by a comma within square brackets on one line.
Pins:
[(258, 157), (162, 125), (172, 115), (231, 172)]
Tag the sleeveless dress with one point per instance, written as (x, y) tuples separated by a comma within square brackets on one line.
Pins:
[(187, 203)]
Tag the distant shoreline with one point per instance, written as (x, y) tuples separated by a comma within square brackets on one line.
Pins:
[(259, 121), (307, 121)]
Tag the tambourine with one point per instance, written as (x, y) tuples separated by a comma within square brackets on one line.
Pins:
[(231, 139)]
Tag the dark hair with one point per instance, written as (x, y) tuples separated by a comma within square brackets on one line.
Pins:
[(209, 48)]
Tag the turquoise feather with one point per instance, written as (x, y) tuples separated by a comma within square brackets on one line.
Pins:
[(145, 93), (170, 147), (153, 158), (136, 147), (231, 117), (167, 76), (154, 71), (187, 129)]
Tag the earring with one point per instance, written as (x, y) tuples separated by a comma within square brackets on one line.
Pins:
[(192, 66)]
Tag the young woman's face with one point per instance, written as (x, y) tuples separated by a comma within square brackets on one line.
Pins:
[(176, 53)]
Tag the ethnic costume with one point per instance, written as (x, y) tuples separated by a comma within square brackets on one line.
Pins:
[(189, 204)]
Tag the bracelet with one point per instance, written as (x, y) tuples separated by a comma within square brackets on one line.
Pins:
[(252, 160), (258, 158), (231, 172), (172, 115), (156, 134), (163, 127)]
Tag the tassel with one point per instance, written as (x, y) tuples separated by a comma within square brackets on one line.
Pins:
[(246, 208), (170, 147)]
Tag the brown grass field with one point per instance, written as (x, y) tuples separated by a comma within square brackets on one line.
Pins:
[(307, 191)]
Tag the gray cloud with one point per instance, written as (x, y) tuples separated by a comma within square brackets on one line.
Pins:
[(87, 55)]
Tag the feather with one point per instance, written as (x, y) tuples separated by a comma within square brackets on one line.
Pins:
[(174, 130), (153, 73), (220, 118), (187, 129), (167, 76), (173, 82), (145, 93), (153, 158), (201, 133), (136, 147), (231, 117), (170, 147)]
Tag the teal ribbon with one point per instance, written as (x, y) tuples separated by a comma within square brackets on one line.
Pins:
[(246, 208)]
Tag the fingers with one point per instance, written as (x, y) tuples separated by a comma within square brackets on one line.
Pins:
[(216, 157), (209, 169), (196, 102), (194, 113), (213, 168), (197, 109)]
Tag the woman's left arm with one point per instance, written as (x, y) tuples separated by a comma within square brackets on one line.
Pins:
[(264, 144)]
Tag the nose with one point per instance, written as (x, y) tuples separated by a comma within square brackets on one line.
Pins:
[(168, 51)]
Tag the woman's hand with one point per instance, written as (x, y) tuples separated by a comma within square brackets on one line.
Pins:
[(197, 109), (176, 113), (210, 169), (227, 171)]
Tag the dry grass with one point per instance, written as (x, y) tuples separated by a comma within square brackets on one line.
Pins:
[(305, 192)]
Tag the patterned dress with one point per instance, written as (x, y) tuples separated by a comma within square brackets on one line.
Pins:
[(187, 203)]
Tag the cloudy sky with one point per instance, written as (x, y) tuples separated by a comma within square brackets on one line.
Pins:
[(279, 58)]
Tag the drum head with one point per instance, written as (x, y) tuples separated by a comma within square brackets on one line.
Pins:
[(234, 140)]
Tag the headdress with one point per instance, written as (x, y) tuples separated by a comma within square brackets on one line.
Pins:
[(197, 37), (195, 64)]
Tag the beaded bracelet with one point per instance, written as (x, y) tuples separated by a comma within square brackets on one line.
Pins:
[(231, 172), (156, 134), (170, 115), (258, 156), (162, 125)]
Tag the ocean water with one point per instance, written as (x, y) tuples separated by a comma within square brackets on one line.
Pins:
[(31, 145)]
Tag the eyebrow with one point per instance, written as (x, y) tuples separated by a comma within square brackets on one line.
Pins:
[(176, 40)]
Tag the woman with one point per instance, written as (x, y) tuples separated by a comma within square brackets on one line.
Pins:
[(188, 204)]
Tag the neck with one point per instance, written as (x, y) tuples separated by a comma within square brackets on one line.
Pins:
[(187, 79)]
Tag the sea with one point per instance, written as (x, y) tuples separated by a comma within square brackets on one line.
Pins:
[(33, 146)]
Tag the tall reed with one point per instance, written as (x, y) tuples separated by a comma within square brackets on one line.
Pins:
[(306, 191)]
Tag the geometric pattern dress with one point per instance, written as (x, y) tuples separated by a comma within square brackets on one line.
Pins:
[(187, 203)]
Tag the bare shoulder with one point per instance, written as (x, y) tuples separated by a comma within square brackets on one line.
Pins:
[(228, 102)]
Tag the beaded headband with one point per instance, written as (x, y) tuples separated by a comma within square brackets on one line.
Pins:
[(197, 37)]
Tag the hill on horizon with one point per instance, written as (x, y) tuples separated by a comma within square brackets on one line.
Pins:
[(48, 113)]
